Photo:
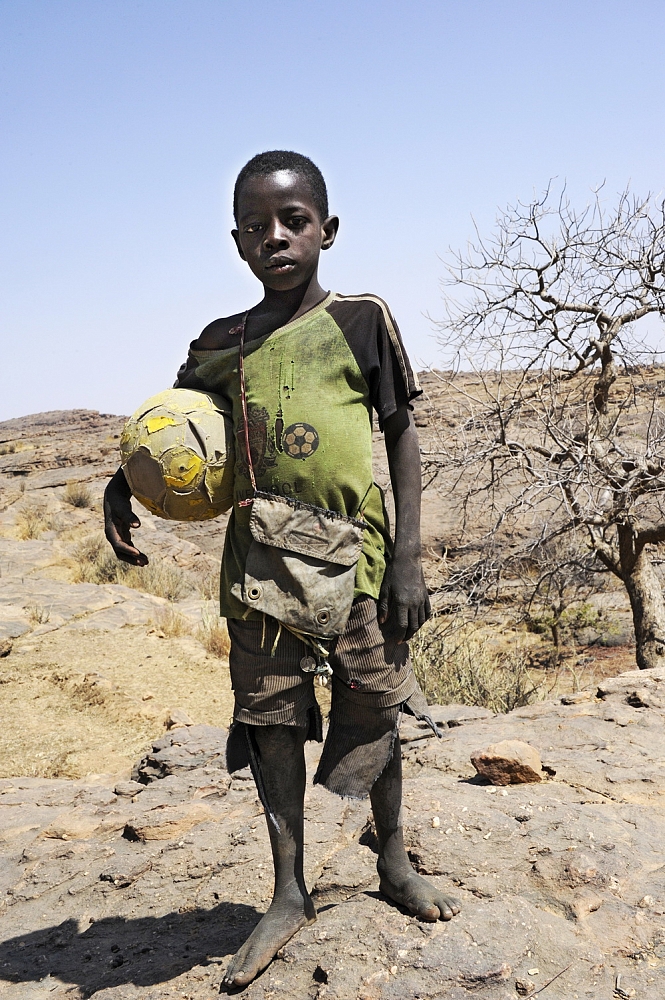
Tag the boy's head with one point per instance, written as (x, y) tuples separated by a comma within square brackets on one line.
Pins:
[(280, 205), (283, 159)]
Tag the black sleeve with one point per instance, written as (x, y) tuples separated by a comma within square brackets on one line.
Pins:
[(375, 341), (187, 377)]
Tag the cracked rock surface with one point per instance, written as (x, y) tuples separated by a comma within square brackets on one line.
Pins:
[(116, 887)]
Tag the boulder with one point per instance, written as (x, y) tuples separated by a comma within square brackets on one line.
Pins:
[(510, 762)]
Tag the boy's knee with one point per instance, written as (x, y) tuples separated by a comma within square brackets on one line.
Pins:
[(279, 739)]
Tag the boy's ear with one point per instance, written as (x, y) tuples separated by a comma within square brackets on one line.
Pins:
[(330, 228), (236, 236)]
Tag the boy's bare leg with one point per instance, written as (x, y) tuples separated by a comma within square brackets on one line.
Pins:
[(398, 879), (283, 771)]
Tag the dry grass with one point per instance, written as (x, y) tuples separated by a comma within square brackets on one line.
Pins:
[(457, 667), (159, 577), (32, 520), (11, 447), (78, 495), (96, 563), (172, 624), (214, 635), (38, 615)]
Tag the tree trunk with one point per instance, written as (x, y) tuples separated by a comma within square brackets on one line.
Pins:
[(648, 607)]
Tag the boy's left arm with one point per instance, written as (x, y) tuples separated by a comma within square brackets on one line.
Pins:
[(404, 603)]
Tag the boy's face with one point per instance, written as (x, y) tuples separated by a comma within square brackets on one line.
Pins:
[(280, 233)]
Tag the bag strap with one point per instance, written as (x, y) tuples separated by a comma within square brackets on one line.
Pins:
[(243, 402)]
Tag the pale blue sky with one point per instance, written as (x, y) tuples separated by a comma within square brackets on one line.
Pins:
[(124, 123)]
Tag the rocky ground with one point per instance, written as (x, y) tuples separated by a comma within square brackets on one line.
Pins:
[(127, 879), (115, 888)]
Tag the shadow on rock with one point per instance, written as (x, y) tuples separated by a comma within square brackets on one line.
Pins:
[(117, 951)]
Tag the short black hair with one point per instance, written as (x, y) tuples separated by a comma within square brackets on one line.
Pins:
[(284, 159)]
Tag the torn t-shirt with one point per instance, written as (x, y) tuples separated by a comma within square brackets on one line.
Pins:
[(311, 388)]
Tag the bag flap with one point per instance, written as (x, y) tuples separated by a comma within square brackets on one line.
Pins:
[(306, 530)]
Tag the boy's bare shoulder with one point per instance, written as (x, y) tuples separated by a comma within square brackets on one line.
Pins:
[(217, 335)]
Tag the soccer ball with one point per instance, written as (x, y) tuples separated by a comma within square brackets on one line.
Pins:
[(177, 455)]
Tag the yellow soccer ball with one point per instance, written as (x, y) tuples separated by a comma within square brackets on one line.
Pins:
[(177, 455)]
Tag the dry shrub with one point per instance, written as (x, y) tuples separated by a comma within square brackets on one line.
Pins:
[(214, 635), (207, 585), (457, 667), (38, 615), (32, 520), (78, 495), (97, 563), (11, 447), (159, 577), (172, 624)]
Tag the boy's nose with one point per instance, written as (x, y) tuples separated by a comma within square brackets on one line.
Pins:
[(276, 237)]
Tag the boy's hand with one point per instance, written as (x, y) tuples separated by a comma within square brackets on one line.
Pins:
[(119, 519), (403, 602)]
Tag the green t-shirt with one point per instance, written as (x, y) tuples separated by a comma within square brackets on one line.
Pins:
[(311, 387)]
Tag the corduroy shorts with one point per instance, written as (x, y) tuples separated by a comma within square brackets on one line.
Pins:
[(372, 684)]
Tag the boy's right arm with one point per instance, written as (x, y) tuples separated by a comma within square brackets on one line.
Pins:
[(119, 519)]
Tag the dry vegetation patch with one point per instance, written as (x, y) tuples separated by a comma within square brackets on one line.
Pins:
[(77, 702)]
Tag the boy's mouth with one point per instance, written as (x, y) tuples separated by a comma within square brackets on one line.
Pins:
[(280, 265)]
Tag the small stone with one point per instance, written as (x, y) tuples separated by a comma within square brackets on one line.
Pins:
[(436, 822), (178, 717), (575, 698), (5, 647), (533, 972), (128, 789), (524, 987), (510, 762), (647, 902), (147, 696)]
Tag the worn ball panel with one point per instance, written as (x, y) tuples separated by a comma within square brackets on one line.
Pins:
[(177, 455)]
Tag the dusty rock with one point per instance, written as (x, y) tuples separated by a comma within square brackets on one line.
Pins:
[(178, 717), (6, 646), (83, 822), (167, 822), (128, 789), (576, 698), (182, 750), (510, 762)]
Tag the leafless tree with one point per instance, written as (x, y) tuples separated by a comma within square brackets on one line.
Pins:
[(559, 402)]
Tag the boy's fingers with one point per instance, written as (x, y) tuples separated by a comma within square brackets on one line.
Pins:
[(382, 606), (398, 622)]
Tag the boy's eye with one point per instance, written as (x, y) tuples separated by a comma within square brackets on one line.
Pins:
[(254, 227), (297, 222)]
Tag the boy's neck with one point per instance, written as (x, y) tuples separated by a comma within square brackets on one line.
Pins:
[(277, 308)]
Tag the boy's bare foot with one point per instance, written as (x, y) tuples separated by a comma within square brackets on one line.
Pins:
[(284, 917), (417, 894)]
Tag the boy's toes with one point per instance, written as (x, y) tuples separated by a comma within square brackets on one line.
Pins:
[(449, 907), (425, 910)]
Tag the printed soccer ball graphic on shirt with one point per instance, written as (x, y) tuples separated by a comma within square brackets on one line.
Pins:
[(300, 440)]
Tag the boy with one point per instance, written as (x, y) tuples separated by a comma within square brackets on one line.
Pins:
[(315, 364)]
